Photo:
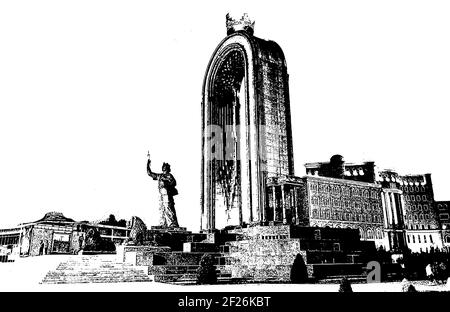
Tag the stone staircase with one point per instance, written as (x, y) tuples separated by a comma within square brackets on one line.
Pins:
[(96, 269)]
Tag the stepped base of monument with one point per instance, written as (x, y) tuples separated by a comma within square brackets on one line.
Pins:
[(252, 254), (95, 269)]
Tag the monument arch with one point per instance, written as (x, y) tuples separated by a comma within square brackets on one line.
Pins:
[(246, 127)]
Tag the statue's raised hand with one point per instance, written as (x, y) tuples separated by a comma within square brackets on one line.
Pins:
[(148, 166)]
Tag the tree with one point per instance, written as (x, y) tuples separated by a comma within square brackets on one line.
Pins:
[(299, 272), (111, 220), (122, 223), (206, 272), (439, 270)]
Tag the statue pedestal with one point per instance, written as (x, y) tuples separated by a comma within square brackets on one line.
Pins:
[(174, 237)]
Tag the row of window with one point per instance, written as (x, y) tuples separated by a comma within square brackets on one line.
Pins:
[(419, 207), (268, 237), (418, 227), (336, 203), (345, 216), (354, 172), (371, 234), (420, 216), (345, 191), (416, 197), (412, 238), (413, 188)]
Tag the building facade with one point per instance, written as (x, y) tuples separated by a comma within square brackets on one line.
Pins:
[(443, 210), (405, 203), (53, 234)]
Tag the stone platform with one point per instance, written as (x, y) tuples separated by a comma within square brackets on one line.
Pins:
[(260, 253), (95, 269), (170, 254), (266, 253)]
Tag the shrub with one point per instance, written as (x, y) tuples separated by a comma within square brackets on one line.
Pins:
[(345, 285), (299, 272), (439, 270), (407, 286), (206, 272)]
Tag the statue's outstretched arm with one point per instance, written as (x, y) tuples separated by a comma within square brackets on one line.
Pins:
[(153, 175)]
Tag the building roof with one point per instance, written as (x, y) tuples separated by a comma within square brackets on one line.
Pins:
[(53, 217)]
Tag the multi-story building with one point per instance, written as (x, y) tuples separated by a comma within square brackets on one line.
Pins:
[(339, 203), (405, 202), (395, 211)]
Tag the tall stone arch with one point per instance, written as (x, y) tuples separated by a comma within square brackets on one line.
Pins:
[(246, 127)]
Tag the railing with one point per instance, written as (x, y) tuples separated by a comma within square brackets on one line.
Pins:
[(4, 258)]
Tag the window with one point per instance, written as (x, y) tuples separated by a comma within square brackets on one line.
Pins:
[(418, 239), (424, 197), (444, 216), (431, 239), (317, 234), (418, 197), (408, 239), (407, 197), (425, 239), (414, 239), (379, 234)]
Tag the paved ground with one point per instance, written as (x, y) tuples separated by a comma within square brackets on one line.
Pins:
[(26, 273)]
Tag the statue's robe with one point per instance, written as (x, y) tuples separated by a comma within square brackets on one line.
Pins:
[(167, 190)]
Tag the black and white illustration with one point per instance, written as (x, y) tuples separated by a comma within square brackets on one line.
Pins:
[(289, 146)]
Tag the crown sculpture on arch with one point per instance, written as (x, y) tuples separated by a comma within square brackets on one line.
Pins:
[(235, 23)]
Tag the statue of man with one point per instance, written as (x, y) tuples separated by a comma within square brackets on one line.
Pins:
[(167, 190)]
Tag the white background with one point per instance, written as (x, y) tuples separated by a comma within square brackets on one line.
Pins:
[(87, 87)]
